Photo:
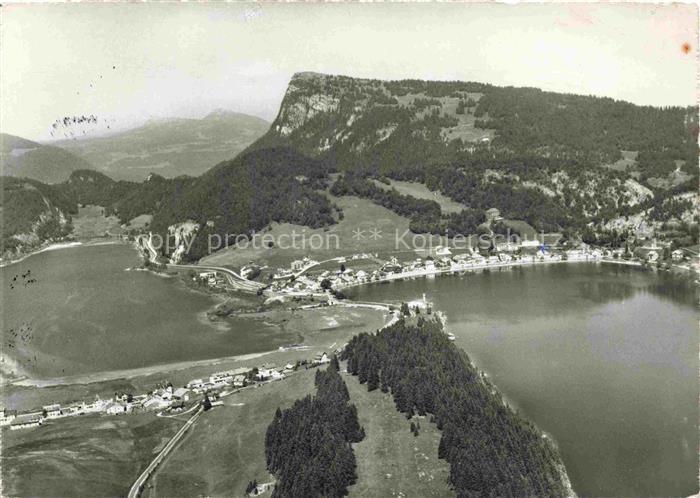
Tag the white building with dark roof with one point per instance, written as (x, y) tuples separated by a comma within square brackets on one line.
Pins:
[(27, 421), (52, 411)]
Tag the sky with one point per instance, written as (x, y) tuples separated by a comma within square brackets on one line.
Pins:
[(130, 63)]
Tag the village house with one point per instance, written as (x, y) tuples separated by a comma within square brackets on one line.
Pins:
[(166, 394), (268, 374), (95, 407), (195, 384), (508, 246), (208, 276), (181, 394), (443, 251), (677, 256), (115, 408), (220, 378), (493, 214), (26, 421), (155, 403), (239, 381), (392, 266), (530, 247), (52, 411), (7, 416), (321, 358), (651, 251)]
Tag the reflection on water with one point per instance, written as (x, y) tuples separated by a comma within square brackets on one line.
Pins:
[(602, 357)]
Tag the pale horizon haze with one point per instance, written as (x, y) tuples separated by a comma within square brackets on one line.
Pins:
[(130, 63)]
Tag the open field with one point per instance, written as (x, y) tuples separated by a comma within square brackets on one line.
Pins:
[(523, 228), (90, 223), (628, 161), (90, 456), (465, 129), (359, 214), (226, 448), (391, 461), (420, 191)]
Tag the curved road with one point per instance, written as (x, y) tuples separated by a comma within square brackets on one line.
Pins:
[(137, 487), (233, 278)]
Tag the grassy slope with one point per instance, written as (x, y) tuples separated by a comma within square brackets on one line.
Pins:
[(420, 191), (390, 460), (90, 456), (226, 449), (358, 214), (90, 222), (522, 227)]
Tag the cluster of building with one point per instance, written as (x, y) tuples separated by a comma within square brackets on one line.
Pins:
[(160, 399), (300, 280), (443, 261), (211, 278)]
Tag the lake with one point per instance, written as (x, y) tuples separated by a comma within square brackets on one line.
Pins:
[(602, 357), (85, 313)]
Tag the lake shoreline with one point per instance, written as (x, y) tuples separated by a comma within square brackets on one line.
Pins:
[(57, 246), (133, 372)]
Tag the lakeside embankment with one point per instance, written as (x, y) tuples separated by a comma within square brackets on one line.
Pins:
[(133, 372), (481, 267), (55, 247)]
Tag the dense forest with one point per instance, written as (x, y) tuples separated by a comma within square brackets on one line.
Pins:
[(491, 450), (425, 216), (591, 128), (405, 205), (248, 193), (453, 135), (308, 446), (29, 206), (391, 127), (552, 160)]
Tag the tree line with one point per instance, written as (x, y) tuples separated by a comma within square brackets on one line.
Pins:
[(308, 446), (492, 451)]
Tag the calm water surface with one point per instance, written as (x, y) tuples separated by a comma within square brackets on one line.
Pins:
[(87, 314), (602, 357)]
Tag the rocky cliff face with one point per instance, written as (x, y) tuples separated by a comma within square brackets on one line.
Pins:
[(338, 114), (592, 158), (32, 215), (183, 233), (301, 102)]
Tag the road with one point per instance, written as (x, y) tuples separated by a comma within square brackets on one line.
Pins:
[(137, 487), (233, 278)]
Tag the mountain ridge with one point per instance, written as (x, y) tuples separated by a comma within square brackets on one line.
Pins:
[(582, 166), (20, 157), (170, 147)]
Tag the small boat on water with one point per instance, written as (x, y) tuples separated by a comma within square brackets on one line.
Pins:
[(451, 336)]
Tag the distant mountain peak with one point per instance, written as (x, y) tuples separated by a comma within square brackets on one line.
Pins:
[(220, 113), (172, 146)]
